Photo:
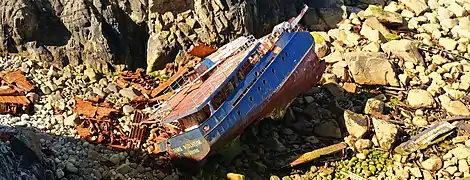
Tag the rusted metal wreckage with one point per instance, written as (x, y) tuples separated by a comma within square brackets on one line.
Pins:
[(14, 89), (199, 110)]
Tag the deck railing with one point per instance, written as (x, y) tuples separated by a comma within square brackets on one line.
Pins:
[(162, 108)]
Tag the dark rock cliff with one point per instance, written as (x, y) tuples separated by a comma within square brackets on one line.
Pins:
[(22, 156), (127, 34), (96, 33)]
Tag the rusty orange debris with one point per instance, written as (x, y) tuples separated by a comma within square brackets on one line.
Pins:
[(138, 80), (201, 50), (312, 155), (88, 110), (98, 123), (14, 87), (17, 78), (8, 91)]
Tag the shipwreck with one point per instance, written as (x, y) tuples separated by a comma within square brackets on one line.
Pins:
[(201, 108)]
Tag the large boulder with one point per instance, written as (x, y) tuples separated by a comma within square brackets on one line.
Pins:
[(22, 156), (371, 68)]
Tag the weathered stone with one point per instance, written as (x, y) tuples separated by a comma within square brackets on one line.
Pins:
[(333, 57), (158, 51), (128, 93), (369, 33), (439, 60), (455, 108), (371, 68), (416, 172), (372, 47), (339, 69), (124, 168), (404, 78), (407, 13), (419, 121), (126, 109), (433, 163), (449, 23), (71, 168), (321, 46), (274, 144), (392, 7), (350, 87), (68, 33), (451, 169), (404, 49), (356, 124), (362, 144), (352, 39), (458, 10), (115, 159), (98, 91), (463, 166), (419, 98), (90, 73), (385, 132), (361, 156), (443, 13), (112, 88), (386, 17), (70, 120), (448, 43), (461, 152), (59, 173), (46, 90), (374, 106), (375, 24), (418, 6)]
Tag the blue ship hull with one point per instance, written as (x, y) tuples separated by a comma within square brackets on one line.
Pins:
[(273, 82)]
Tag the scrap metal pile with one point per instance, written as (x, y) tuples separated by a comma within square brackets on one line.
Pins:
[(16, 93), (98, 119)]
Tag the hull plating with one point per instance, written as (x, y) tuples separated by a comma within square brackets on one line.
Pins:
[(301, 80), (272, 84)]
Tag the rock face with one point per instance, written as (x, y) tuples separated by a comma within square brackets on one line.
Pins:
[(186, 23), (94, 33), (128, 34)]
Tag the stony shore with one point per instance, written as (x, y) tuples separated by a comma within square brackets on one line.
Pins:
[(393, 72)]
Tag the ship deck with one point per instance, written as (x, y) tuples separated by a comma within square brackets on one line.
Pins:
[(194, 97)]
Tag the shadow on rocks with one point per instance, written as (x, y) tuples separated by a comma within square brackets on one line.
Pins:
[(21, 155), (314, 120), (31, 154)]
